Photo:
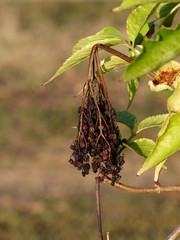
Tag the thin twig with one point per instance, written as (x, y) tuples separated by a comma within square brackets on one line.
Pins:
[(91, 61), (98, 206), (115, 52), (101, 76), (156, 189), (175, 234), (121, 55), (85, 91)]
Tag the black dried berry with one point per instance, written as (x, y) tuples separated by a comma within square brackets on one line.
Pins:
[(71, 161), (98, 134)]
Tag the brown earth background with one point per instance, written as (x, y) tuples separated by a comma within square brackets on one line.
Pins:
[(42, 197)]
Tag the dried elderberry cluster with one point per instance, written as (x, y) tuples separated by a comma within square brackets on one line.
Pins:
[(97, 144)]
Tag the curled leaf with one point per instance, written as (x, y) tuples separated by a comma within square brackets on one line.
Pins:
[(167, 77)]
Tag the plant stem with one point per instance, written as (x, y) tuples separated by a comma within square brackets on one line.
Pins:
[(98, 207), (121, 55), (175, 234), (156, 189), (115, 52), (101, 76)]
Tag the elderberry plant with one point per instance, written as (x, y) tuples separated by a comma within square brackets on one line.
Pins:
[(152, 43)]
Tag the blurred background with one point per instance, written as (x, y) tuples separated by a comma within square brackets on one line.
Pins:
[(42, 196)]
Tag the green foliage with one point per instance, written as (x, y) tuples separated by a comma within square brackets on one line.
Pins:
[(132, 87), (137, 19), (111, 63), (127, 4), (127, 119), (155, 53), (142, 146), (173, 102), (167, 12), (144, 30), (109, 36), (164, 9), (167, 144), (153, 121)]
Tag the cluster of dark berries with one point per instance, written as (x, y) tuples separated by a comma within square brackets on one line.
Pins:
[(97, 145)]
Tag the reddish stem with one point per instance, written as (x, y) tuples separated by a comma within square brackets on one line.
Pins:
[(120, 55), (156, 189), (98, 207)]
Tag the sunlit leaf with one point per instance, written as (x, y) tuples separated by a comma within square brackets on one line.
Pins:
[(132, 87), (111, 63), (153, 121), (173, 103), (144, 30), (165, 14), (127, 4), (155, 54), (108, 36), (142, 146), (127, 119), (137, 19), (167, 144)]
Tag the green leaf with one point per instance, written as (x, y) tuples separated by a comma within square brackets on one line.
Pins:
[(164, 9), (108, 36), (144, 30), (167, 144), (164, 17), (155, 54), (173, 102), (137, 19), (153, 121), (111, 63), (169, 20), (126, 118), (142, 146), (127, 4), (132, 87), (105, 34), (166, 12)]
